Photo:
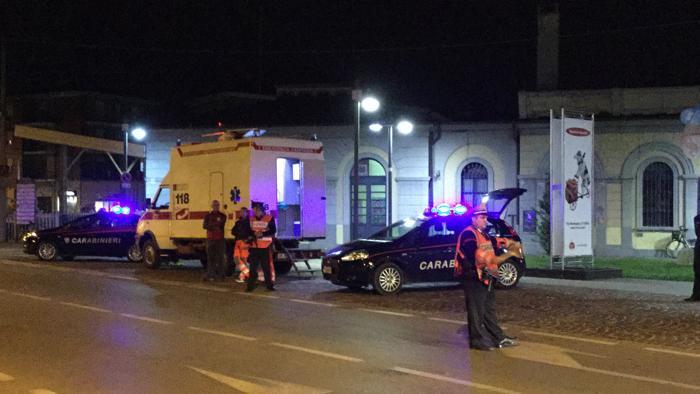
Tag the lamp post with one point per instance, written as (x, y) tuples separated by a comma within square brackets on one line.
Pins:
[(404, 127), (138, 133), (369, 104)]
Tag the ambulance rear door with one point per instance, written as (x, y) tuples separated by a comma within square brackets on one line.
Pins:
[(313, 199)]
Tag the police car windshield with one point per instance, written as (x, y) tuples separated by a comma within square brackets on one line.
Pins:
[(396, 230)]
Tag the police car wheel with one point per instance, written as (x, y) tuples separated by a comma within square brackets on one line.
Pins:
[(46, 251), (134, 253), (388, 279), (151, 254), (509, 273)]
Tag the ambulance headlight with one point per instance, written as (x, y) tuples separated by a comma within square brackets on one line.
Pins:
[(356, 255)]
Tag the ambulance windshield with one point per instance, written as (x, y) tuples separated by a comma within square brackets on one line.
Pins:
[(162, 200), (396, 230)]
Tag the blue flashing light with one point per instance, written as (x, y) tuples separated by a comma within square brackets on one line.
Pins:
[(443, 210), (459, 209), (126, 210), (119, 210), (116, 209)]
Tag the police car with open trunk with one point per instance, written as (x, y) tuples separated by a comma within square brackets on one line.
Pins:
[(421, 249)]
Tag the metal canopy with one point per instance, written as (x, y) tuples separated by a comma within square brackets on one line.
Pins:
[(80, 141)]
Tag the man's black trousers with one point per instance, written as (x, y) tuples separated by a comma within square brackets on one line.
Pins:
[(696, 269), (259, 258), (481, 314)]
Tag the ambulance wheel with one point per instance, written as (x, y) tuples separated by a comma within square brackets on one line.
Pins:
[(46, 251), (509, 274), (134, 253), (151, 254), (388, 279)]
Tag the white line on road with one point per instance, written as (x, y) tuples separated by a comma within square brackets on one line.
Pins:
[(311, 302), (5, 377), (256, 295), (33, 297), (204, 287), (452, 380), (675, 352), (223, 334), (125, 277), (546, 334), (639, 378), (144, 318), (386, 312), (88, 307), (318, 352), (41, 391), (460, 322)]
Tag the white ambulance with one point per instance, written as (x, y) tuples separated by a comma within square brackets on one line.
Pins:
[(285, 174)]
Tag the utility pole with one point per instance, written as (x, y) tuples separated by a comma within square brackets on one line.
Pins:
[(4, 172)]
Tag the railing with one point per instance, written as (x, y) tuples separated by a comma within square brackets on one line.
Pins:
[(42, 221)]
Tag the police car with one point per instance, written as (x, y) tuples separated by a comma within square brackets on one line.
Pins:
[(421, 249), (100, 234)]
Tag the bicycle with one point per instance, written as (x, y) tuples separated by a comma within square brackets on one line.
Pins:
[(677, 243)]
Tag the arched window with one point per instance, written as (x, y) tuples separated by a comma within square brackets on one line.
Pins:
[(657, 195), (475, 183)]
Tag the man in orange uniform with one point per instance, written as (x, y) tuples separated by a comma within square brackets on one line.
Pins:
[(260, 249), (476, 266)]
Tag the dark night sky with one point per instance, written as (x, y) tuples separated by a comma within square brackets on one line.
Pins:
[(451, 56)]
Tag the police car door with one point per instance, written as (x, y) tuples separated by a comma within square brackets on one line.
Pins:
[(436, 249)]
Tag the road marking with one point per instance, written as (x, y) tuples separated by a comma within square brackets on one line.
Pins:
[(675, 352), (5, 377), (123, 277), (33, 297), (386, 312), (311, 302), (256, 295), (144, 318), (318, 352), (452, 380), (460, 322), (640, 378), (41, 391), (260, 385), (204, 287), (546, 334), (223, 334), (88, 307)]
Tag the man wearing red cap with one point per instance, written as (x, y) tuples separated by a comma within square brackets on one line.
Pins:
[(476, 266)]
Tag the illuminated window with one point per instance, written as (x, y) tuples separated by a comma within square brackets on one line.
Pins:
[(475, 183)]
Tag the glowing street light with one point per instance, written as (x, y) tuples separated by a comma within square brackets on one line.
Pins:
[(370, 104), (376, 127), (404, 127), (139, 133)]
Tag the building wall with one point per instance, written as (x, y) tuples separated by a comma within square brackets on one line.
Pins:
[(623, 149)]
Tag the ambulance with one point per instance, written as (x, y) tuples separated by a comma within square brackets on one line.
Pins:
[(287, 175)]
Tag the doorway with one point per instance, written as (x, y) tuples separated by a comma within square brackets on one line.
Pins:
[(372, 197)]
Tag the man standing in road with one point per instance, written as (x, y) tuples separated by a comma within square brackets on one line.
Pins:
[(695, 297), (264, 229), (244, 236), (476, 266), (214, 223)]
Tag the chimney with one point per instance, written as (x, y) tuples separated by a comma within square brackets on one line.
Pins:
[(547, 45)]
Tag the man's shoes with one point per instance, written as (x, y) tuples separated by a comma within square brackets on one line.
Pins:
[(239, 280), (249, 289), (480, 346), (271, 288), (692, 299), (508, 342), (206, 279)]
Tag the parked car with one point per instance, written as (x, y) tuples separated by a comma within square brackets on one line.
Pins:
[(421, 249), (99, 234)]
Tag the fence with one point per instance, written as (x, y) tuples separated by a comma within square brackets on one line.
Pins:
[(42, 221)]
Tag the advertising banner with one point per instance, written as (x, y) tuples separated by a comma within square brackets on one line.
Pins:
[(571, 172), (26, 201)]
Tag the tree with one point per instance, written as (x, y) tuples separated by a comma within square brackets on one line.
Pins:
[(543, 228)]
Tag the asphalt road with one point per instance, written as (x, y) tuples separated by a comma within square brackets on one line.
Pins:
[(67, 328)]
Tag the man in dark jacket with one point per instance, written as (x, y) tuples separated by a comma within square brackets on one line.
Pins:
[(264, 230), (475, 266), (695, 297), (214, 223)]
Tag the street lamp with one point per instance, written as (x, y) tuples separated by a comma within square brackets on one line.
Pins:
[(404, 127), (369, 104), (138, 133)]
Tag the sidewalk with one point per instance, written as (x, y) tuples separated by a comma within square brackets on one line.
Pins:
[(662, 287)]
